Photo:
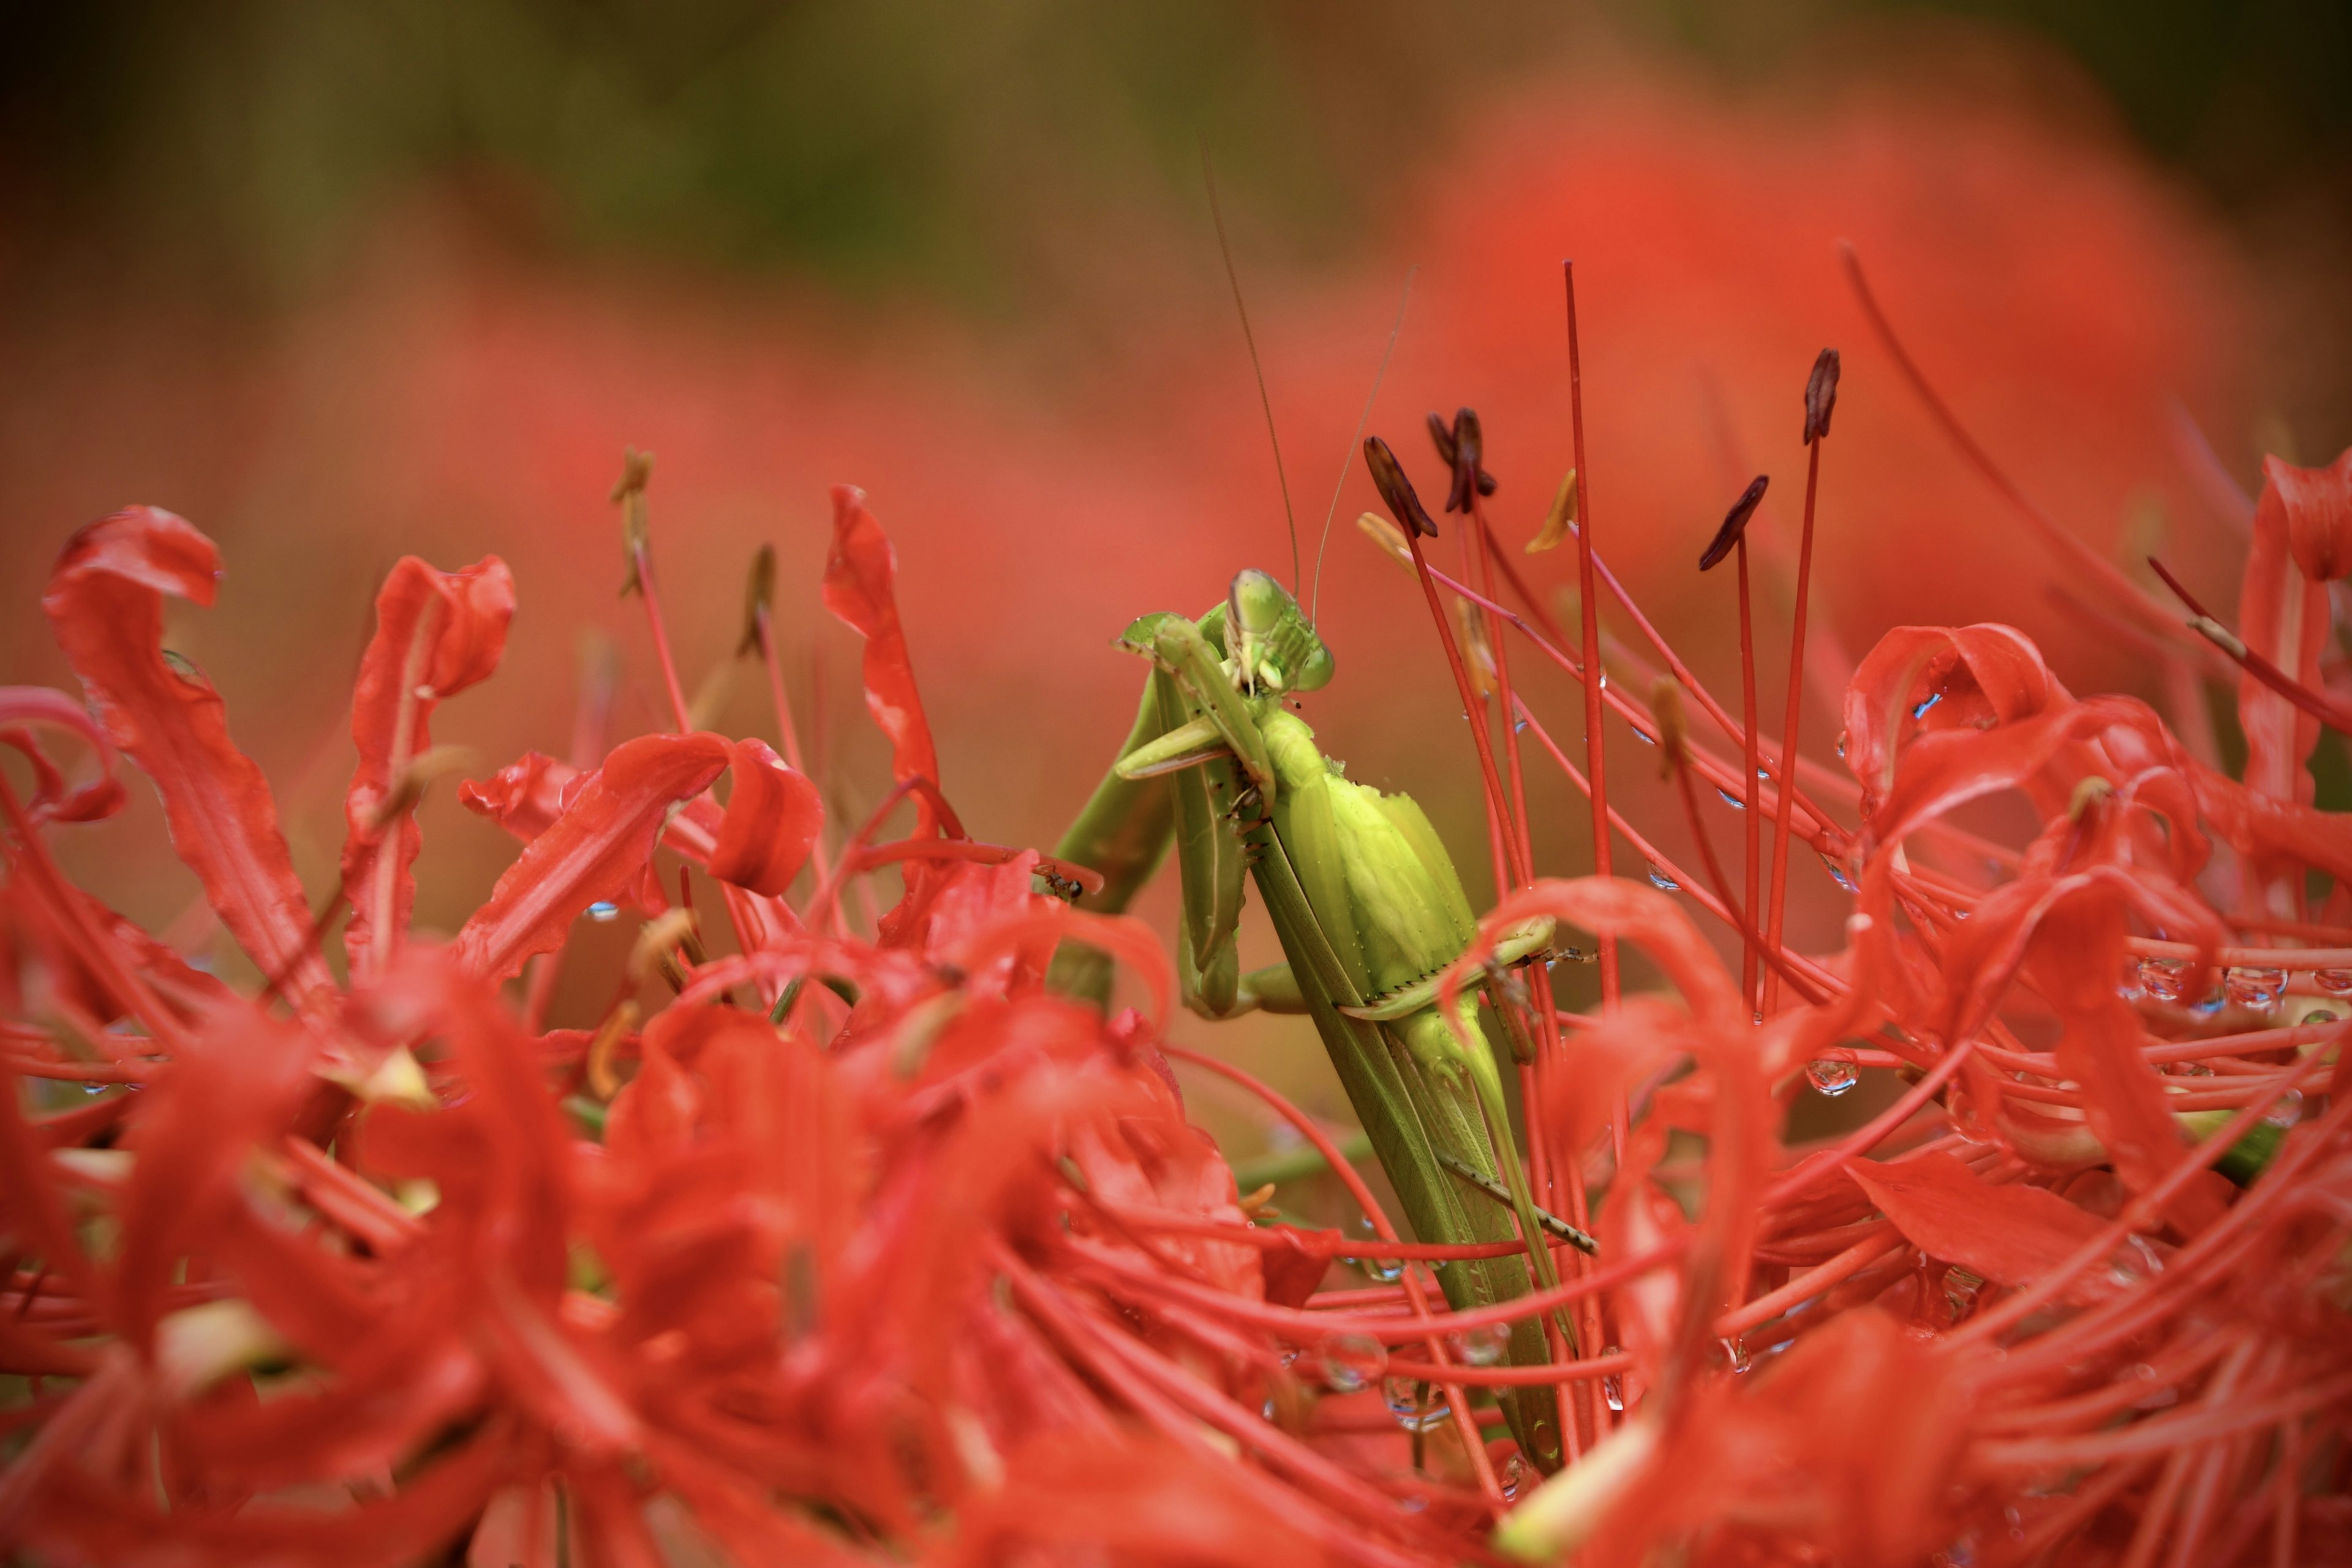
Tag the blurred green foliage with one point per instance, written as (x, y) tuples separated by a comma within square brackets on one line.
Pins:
[(952, 148)]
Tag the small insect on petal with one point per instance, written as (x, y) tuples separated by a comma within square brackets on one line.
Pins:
[(1396, 490), (1558, 520), (1735, 523), (1820, 396)]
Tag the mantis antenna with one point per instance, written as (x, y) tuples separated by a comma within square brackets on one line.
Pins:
[(1225, 249), (1356, 441)]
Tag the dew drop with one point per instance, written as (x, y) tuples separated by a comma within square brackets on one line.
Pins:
[(602, 912), (2164, 979), (1832, 1073), (1960, 1289), (1660, 880), (1351, 1363), (1644, 736), (2318, 1015), (1612, 1384), (2335, 982), (1735, 1354), (1604, 678), (1841, 746), (1730, 799), (1483, 1345), (1921, 711), (1386, 1270), (1266, 1411), (2127, 985), (1417, 1406), (2288, 1112), (2245, 986), (2134, 1260), (1512, 1477), (1838, 874)]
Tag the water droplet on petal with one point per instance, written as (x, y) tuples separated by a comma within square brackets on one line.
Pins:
[(1386, 1270), (1512, 1477), (1660, 880), (2288, 1111), (1833, 1073), (1612, 1384), (1418, 1407), (1483, 1345), (2127, 985), (1351, 1363), (1648, 740), (1838, 874), (1735, 1354), (2164, 979), (1841, 746), (2246, 986), (1730, 799), (1921, 711), (2335, 982), (602, 911)]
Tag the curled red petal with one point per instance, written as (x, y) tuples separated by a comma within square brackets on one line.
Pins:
[(594, 851), (524, 796), (105, 603), (2283, 615), (2078, 949), (2011, 1234), (771, 822), (2318, 506), (437, 633), (2263, 825), (1922, 680), (41, 705), (860, 577)]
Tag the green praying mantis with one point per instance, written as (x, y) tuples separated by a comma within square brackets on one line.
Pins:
[(1368, 908)]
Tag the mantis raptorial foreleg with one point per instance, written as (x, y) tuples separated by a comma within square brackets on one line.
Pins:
[(1368, 910)]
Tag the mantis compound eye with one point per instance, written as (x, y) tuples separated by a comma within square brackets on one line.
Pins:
[(1258, 602), (1314, 671)]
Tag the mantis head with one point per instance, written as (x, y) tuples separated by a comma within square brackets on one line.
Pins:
[(1270, 640)]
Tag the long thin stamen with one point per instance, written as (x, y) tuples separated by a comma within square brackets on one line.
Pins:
[(2097, 567), (1785, 770), (629, 494), (1596, 771), (1751, 818)]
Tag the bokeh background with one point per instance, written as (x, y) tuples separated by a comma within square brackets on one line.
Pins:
[(341, 281)]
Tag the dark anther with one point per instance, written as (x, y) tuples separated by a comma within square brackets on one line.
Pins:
[(1735, 523), (1461, 445), (1396, 490), (1820, 396)]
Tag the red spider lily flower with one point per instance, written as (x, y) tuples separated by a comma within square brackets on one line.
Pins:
[(866, 1246), (359, 1307)]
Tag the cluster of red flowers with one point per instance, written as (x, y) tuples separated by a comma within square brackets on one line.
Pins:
[(869, 1246)]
